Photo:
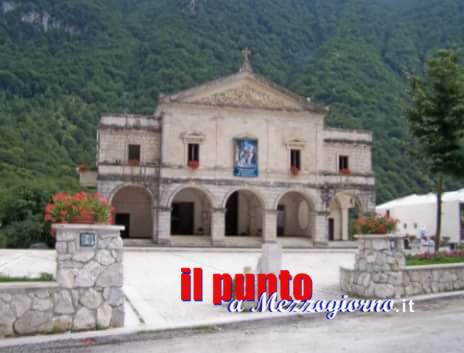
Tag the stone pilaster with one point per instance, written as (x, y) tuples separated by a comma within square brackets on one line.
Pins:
[(345, 223), (321, 229), (270, 226), (164, 226), (218, 227), (155, 224)]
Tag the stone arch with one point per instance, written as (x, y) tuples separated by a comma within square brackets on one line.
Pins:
[(258, 195), (344, 207), (125, 185), (191, 211), (133, 208), (244, 212), (200, 188), (296, 214)]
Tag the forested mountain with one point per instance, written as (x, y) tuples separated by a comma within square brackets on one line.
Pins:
[(63, 62)]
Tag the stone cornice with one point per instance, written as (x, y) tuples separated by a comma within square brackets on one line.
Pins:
[(347, 141), (230, 182)]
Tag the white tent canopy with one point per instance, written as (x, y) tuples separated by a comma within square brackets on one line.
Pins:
[(417, 214), (415, 199)]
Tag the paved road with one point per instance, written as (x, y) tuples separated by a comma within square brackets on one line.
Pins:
[(434, 327), (152, 278)]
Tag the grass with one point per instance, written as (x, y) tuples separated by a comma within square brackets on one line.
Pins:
[(44, 277), (433, 260)]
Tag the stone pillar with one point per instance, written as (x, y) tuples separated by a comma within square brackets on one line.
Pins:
[(155, 224), (89, 276), (218, 237), (270, 226), (345, 220), (164, 226), (321, 229), (378, 267)]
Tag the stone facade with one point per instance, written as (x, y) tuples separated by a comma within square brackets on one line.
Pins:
[(213, 116), (87, 294), (380, 272)]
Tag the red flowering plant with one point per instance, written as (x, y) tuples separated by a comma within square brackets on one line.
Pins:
[(345, 171), (82, 207), (193, 164), (375, 224), (295, 171)]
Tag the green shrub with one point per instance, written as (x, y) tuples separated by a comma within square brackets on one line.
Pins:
[(23, 234)]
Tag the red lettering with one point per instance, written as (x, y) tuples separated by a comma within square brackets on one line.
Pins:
[(267, 283), (198, 284), (302, 287), (222, 288), (185, 284), (245, 286), (285, 277)]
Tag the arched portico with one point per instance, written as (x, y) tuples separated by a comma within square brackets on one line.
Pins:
[(191, 210), (244, 212), (344, 208), (295, 215), (133, 208)]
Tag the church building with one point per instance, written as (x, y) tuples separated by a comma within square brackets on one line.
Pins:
[(234, 162)]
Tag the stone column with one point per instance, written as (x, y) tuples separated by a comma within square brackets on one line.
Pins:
[(164, 226), (218, 237), (89, 276), (321, 229), (270, 226), (345, 223), (155, 224)]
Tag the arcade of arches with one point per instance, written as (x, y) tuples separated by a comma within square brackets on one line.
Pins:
[(192, 213)]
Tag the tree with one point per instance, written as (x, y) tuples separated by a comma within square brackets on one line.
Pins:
[(436, 120)]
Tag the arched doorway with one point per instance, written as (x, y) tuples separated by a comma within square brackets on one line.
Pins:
[(244, 214), (133, 208), (295, 216), (191, 213), (345, 208)]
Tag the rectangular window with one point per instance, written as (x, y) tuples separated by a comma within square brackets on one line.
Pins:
[(134, 153), (295, 159), (193, 152), (343, 163)]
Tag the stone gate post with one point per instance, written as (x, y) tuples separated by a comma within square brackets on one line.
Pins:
[(378, 267), (90, 275)]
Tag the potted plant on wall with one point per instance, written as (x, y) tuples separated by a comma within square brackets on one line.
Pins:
[(80, 208), (193, 164), (345, 171), (295, 171), (373, 224), (133, 162)]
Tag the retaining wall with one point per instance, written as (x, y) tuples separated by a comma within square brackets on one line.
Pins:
[(380, 272)]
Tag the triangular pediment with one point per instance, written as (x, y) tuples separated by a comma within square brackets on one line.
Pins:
[(243, 90)]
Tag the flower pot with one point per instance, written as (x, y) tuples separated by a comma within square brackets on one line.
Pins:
[(134, 162), (193, 164), (294, 171), (83, 219), (345, 172)]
